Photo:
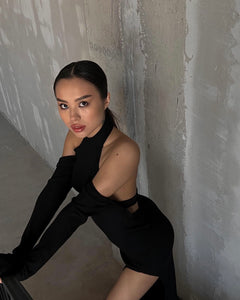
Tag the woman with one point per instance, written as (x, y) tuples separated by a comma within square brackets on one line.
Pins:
[(101, 163)]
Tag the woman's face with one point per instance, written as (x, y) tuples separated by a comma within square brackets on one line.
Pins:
[(80, 106)]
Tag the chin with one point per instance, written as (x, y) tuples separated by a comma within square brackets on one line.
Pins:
[(78, 134)]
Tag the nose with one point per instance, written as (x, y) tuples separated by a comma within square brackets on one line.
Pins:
[(74, 115)]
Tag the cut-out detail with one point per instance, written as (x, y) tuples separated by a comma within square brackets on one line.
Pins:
[(129, 202), (133, 208)]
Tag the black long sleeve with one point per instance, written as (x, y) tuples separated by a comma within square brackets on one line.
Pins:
[(48, 202), (67, 221), (73, 215)]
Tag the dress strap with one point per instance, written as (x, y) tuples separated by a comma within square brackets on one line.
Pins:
[(129, 202)]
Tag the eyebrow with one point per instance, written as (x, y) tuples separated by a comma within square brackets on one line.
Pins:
[(78, 99)]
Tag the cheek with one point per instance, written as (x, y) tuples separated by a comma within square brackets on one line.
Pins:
[(63, 115), (99, 108)]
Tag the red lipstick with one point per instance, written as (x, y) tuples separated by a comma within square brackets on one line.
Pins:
[(78, 128)]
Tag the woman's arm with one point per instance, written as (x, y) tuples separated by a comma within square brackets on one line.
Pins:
[(116, 170), (49, 200), (47, 203), (46, 206)]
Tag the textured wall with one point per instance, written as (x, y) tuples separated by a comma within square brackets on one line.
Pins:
[(37, 39), (164, 29), (212, 164), (173, 69), (131, 41)]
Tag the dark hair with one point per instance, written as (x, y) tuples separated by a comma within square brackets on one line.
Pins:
[(91, 72)]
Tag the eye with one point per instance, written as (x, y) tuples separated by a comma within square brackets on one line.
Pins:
[(83, 103), (61, 106)]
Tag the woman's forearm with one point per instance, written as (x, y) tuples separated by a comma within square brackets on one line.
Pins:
[(47, 204)]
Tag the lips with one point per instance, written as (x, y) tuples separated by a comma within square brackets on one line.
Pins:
[(78, 128)]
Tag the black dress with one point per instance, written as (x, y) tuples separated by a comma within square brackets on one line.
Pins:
[(144, 237)]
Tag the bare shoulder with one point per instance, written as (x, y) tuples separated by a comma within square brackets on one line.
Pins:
[(124, 147), (127, 144), (70, 143), (118, 166)]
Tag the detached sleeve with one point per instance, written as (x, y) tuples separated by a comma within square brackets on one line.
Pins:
[(86, 203), (47, 204)]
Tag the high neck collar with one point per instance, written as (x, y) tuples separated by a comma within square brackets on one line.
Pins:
[(99, 138), (103, 132)]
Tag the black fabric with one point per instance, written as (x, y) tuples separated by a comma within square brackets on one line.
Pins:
[(10, 263), (14, 290), (48, 202), (4, 294), (88, 154), (144, 237)]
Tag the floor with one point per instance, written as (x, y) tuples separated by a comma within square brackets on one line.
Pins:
[(84, 267)]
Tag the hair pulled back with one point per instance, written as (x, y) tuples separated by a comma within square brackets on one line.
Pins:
[(90, 71)]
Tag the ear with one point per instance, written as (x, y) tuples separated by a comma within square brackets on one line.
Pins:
[(107, 101)]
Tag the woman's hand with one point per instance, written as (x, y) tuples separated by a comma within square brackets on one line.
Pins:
[(9, 264), (6, 262), (0, 280)]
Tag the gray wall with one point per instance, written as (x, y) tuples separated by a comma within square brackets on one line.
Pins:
[(173, 69), (212, 159)]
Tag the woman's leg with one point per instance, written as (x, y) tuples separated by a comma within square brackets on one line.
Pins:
[(165, 286), (155, 292), (131, 285)]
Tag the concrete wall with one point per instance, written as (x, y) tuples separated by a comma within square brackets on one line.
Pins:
[(173, 69), (211, 167)]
